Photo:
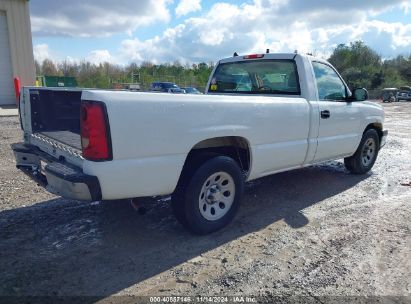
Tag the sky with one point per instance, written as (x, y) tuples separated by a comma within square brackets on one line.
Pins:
[(190, 31)]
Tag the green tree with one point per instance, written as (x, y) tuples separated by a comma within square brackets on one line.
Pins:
[(48, 68), (38, 67), (359, 65)]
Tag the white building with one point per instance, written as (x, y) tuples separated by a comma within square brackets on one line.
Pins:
[(16, 48)]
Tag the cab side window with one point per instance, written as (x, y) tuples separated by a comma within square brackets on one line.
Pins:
[(329, 84)]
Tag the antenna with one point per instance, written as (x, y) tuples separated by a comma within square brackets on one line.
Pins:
[(235, 54)]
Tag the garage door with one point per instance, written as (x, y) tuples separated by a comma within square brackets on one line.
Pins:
[(6, 75)]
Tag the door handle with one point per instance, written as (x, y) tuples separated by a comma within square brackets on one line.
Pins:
[(325, 114)]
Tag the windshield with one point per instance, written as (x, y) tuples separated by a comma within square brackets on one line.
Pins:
[(175, 89), (256, 77), (190, 90), (169, 85)]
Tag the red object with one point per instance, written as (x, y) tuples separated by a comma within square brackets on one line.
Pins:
[(17, 88), (253, 56), (95, 133)]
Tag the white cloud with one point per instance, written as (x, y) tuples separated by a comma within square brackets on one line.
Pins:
[(100, 56), (185, 7), (71, 60), (79, 18), (280, 25), (41, 52), (386, 38), (406, 7)]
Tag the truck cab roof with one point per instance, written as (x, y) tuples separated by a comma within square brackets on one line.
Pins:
[(267, 56)]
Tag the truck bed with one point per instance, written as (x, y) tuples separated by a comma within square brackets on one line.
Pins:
[(55, 118), (66, 137)]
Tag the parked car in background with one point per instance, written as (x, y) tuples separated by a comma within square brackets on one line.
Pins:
[(176, 91), (132, 86), (191, 90), (389, 94), (404, 93), (167, 87)]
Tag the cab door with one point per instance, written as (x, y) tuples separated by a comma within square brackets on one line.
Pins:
[(340, 120)]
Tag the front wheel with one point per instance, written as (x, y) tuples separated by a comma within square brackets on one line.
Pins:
[(210, 200), (364, 158)]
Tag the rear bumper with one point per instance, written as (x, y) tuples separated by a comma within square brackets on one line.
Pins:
[(383, 138), (56, 176)]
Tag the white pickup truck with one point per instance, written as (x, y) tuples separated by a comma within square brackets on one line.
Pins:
[(261, 114)]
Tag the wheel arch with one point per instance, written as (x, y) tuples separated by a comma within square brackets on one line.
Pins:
[(376, 126), (236, 147)]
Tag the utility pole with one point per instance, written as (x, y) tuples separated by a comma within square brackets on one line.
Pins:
[(135, 77)]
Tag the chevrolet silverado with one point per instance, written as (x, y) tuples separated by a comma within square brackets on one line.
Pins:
[(261, 114)]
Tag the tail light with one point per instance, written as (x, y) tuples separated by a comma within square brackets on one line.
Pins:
[(95, 133), (253, 56)]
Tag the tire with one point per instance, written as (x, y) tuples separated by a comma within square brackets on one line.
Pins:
[(209, 200), (179, 194), (364, 158)]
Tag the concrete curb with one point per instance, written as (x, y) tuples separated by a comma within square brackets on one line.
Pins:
[(8, 111)]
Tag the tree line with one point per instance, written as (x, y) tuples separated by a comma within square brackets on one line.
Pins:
[(107, 75), (360, 66)]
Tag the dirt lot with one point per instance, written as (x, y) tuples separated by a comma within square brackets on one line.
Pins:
[(313, 232)]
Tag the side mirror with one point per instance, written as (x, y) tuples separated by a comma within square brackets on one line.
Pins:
[(359, 94)]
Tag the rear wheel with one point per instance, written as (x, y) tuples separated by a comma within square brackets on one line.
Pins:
[(364, 158), (211, 198)]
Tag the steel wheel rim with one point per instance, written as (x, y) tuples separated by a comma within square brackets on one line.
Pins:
[(216, 196), (368, 152)]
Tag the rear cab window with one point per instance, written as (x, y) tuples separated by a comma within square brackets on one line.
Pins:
[(267, 76)]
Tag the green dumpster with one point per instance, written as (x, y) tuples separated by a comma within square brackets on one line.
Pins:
[(57, 81)]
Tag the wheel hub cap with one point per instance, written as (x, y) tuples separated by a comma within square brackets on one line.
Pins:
[(216, 196), (368, 152), (213, 194)]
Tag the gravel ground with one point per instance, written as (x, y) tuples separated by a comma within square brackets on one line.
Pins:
[(315, 233)]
